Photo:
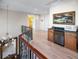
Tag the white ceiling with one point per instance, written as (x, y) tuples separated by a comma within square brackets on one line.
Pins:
[(30, 6)]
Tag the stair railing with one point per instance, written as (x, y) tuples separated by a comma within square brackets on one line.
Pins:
[(27, 51)]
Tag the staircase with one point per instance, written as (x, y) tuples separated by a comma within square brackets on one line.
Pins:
[(13, 56), (26, 50), (8, 49)]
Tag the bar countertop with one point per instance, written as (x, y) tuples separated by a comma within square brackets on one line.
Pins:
[(50, 49)]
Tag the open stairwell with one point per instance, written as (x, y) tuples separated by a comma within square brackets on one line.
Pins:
[(12, 56), (11, 49), (8, 49), (25, 49)]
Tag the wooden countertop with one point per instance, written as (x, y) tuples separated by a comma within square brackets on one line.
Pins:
[(50, 49)]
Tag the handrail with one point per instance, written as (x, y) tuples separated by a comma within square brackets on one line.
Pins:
[(34, 50)]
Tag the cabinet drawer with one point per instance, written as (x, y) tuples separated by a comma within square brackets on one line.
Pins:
[(70, 34)]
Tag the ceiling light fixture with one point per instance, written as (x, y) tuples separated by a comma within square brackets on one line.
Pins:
[(53, 1)]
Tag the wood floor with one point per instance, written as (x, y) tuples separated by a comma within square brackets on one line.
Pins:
[(50, 49)]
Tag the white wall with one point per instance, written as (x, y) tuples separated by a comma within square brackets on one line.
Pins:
[(44, 22), (40, 22), (35, 22), (64, 6), (15, 20)]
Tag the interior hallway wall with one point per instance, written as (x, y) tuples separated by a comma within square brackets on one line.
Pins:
[(64, 6), (15, 20), (44, 22)]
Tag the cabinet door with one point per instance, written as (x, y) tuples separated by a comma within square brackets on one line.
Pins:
[(50, 35), (70, 40)]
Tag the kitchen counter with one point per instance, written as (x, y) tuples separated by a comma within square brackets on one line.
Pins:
[(51, 50), (62, 30)]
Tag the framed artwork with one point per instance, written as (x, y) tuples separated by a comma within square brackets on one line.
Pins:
[(67, 18)]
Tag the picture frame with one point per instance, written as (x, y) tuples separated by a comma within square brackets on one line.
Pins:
[(67, 18)]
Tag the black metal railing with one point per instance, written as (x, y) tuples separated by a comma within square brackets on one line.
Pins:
[(26, 50)]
